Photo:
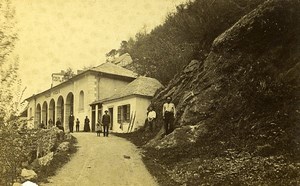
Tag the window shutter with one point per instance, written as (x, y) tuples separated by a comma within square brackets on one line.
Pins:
[(119, 114)]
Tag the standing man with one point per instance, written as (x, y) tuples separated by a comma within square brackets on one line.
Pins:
[(169, 114), (151, 117), (71, 122), (105, 122), (77, 125)]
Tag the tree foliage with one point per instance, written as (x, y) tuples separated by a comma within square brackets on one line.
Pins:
[(68, 74), (8, 65), (185, 35), (113, 53)]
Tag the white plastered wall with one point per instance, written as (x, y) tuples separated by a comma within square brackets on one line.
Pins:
[(138, 107)]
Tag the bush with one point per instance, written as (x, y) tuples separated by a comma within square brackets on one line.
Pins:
[(23, 146)]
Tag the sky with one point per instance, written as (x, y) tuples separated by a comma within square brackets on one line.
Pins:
[(56, 34)]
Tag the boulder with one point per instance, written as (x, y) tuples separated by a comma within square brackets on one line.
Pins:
[(183, 135), (17, 184), (64, 146), (45, 160), (68, 136), (28, 174)]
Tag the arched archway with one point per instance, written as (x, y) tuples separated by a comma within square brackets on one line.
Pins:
[(60, 109), (38, 113), (45, 113), (52, 110), (69, 108)]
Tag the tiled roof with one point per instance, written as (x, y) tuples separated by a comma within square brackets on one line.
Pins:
[(110, 68), (143, 86), (107, 68)]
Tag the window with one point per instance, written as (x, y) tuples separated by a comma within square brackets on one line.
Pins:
[(81, 100), (124, 113)]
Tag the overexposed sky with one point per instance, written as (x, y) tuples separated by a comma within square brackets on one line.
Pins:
[(57, 34)]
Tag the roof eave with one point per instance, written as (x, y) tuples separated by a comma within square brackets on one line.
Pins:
[(121, 97)]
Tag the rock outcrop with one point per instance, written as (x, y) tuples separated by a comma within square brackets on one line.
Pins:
[(245, 94), (28, 174)]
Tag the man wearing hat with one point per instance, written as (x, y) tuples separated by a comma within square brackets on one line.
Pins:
[(169, 113), (71, 122), (106, 122)]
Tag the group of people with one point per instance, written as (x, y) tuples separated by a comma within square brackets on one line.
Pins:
[(49, 125), (59, 125), (168, 113), (86, 127)]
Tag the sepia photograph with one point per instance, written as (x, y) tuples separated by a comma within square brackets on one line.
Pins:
[(149, 92)]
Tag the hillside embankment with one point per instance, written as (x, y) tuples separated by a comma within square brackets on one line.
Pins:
[(238, 109)]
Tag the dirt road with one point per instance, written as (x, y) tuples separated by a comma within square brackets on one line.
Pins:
[(100, 161)]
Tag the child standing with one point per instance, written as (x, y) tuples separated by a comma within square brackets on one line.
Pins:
[(98, 129)]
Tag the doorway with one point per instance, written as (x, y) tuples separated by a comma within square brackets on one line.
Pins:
[(111, 113), (93, 117)]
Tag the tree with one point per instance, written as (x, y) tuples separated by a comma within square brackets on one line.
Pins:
[(185, 35), (8, 65), (68, 74), (123, 48), (111, 55)]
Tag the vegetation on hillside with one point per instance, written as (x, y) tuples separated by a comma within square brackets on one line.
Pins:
[(8, 65), (185, 35)]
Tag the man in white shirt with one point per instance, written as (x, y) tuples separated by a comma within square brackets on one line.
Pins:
[(169, 114), (151, 117)]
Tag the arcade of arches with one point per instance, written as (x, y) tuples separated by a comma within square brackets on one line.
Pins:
[(55, 110)]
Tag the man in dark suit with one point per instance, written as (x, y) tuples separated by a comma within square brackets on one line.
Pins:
[(105, 122), (71, 122)]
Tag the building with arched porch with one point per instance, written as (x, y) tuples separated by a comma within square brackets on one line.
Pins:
[(76, 94)]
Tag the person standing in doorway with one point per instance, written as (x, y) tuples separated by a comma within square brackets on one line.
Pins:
[(77, 125), (105, 122), (50, 123), (71, 122), (59, 125), (169, 114), (151, 118), (87, 125)]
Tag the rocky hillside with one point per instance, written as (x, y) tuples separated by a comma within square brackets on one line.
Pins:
[(239, 109), (247, 89)]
